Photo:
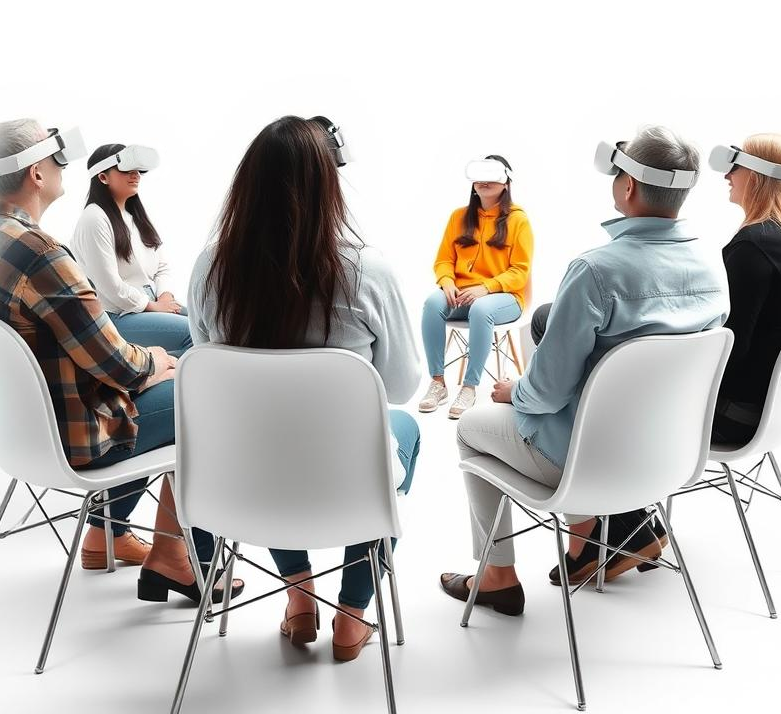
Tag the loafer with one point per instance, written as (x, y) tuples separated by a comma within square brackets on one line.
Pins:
[(154, 587), (302, 628), (128, 548), (347, 653), (508, 601)]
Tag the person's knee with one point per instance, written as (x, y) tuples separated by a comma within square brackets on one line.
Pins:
[(436, 303), (464, 432), (479, 312), (540, 321)]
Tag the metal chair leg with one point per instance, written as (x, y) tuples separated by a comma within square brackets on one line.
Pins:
[(47, 640), (602, 553), (769, 453), (197, 625), (690, 587), (226, 594), (489, 542), (7, 498), (670, 507), (193, 555), (573, 644), (111, 565), (374, 557), (750, 540), (394, 591)]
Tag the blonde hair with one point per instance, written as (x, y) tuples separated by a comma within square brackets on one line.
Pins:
[(762, 198)]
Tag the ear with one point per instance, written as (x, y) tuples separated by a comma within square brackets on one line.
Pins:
[(103, 178), (34, 172), (631, 187)]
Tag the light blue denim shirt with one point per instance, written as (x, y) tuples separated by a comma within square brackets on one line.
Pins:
[(651, 278)]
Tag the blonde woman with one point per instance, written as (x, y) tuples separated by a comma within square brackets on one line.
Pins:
[(753, 262)]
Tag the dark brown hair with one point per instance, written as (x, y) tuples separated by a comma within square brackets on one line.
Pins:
[(100, 194), (471, 218), (278, 238)]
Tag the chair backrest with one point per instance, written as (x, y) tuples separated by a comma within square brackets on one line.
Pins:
[(643, 424), (528, 293), (283, 448), (768, 434), (30, 446)]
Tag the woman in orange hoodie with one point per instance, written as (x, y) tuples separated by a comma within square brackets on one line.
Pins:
[(481, 269)]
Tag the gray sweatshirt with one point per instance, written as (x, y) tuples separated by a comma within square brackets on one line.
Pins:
[(375, 325)]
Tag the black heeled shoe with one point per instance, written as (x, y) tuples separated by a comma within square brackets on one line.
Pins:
[(154, 587)]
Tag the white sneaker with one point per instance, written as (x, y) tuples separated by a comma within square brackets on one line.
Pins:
[(436, 395), (465, 399)]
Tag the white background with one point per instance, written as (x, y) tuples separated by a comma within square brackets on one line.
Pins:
[(419, 89)]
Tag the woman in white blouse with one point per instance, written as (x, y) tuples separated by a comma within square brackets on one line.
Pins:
[(121, 252)]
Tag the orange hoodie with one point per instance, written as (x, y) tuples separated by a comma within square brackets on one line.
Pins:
[(499, 270)]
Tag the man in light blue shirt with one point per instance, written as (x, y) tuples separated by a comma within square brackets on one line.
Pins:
[(651, 278)]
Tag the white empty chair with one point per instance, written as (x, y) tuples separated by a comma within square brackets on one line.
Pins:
[(285, 449), (31, 452), (642, 429)]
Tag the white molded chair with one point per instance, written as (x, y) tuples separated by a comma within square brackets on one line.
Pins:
[(285, 449), (31, 452), (766, 438), (642, 429), (458, 336)]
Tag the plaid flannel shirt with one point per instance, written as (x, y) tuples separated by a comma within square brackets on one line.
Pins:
[(90, 370)]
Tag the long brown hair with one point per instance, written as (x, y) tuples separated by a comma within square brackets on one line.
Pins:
[(762, 197), (472, 219), (278, 237), (100, 194)]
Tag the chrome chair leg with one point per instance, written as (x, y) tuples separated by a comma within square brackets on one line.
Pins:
[(670, 507), (489, 541), (7, 498), (193, 555), (111, 565), (374, 557), (690, 586), (750, 540), (602, 553), (770, 454), (197, 625), (47, 640), (573, 644), (394, 592), (226, 593)]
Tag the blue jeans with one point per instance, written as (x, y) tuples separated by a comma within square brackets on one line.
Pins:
[(155, 422), (156, 329), (357, 588), (483, 314)]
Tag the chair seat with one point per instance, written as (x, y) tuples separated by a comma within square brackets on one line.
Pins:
[(150, 463), (519, 487)]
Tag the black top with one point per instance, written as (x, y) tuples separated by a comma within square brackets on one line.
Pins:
[(753, 262)]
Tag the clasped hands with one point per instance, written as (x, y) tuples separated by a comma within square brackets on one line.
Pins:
[(460, 298)]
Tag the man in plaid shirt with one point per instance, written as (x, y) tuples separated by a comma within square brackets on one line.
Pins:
[(112, 399)]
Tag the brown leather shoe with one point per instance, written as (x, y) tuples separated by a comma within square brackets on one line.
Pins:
[(347, 653), (301, 628), (128, 548), (508, 601)]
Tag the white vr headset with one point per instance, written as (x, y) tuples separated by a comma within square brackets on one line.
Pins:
[(63, 147), (131, 158), (341, 153), (609, 159), (488, 170), (725, 158)]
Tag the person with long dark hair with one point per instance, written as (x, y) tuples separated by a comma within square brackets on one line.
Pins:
[(121, 252), (286, 271), (481, 269), (753, 262)]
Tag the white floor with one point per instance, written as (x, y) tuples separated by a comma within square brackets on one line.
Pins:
[(640, 645)]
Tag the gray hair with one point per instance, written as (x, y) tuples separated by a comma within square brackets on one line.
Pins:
[(662, 149), (16, 136)]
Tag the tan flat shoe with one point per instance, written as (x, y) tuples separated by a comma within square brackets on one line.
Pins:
[(347, 653), (128, 548)]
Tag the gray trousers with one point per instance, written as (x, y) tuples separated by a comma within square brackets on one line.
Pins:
[(491, 429)]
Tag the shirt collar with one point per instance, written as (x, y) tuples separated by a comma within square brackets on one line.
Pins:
[(649, 228), (8, 209), (492, 212)]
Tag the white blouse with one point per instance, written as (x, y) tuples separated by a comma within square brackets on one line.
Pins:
[(119, 283)]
